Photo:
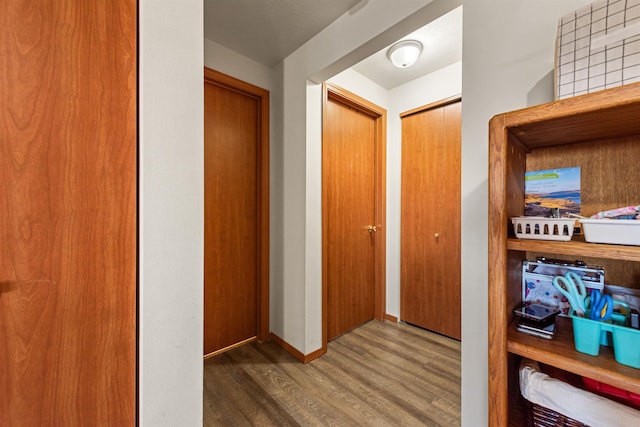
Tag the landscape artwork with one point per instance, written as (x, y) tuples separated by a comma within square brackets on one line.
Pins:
[(552, 193)]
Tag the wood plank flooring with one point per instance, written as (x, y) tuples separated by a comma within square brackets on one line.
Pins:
[(380, 374)]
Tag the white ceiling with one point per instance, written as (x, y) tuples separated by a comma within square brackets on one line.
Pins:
[(267, 31), (441, 46)]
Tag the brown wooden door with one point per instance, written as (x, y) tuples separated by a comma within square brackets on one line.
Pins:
[(236, 224), (351, 147), (430, 219), (68, 213)]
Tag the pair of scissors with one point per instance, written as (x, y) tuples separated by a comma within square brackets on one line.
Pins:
[(570, 285), (601, 305)]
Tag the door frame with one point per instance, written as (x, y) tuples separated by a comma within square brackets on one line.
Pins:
[(436, 104), (262, 95), (334, 92)]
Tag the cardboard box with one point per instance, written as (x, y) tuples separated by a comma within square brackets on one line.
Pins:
[(598, 47)]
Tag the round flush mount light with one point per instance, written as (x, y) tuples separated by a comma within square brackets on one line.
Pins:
[(404, 53)]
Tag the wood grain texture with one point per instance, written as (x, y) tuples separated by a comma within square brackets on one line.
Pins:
[(601, 162), (354, 194), (68, 213), (430, 218), (497, 271), (617, 272), (450, 321), (600, 115), (236, 212), (379, 374), (561, 353)]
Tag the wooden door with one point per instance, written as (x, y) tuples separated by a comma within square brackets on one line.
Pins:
[(430, 218), (352, 223), (68, 213), (236, 212)]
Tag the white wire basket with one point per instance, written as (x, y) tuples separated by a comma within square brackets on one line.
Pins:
[(538, 228)]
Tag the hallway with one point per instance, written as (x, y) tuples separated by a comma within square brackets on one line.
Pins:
[(379, 374)]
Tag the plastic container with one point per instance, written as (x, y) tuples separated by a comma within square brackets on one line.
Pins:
[(626, 345), (587, 336), (612, 392), (538, 228), (612, 231)]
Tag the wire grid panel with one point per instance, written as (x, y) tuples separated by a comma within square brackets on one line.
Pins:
[(598, 47)]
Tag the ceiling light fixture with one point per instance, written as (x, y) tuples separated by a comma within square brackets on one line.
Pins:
[(404, 53)]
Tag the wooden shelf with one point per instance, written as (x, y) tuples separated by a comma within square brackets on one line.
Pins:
[(600, 133), (599, 115), (561, 353), (576, 248)]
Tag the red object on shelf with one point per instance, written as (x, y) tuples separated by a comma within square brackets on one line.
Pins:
[(614, 393)]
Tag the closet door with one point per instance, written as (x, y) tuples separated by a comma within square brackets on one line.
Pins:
[(68, 213), (430, 218)]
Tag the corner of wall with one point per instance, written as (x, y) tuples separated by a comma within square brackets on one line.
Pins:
[(171, 213)]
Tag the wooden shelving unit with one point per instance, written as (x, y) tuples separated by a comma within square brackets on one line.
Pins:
[(600, 133), (577, 248), (561, 353)]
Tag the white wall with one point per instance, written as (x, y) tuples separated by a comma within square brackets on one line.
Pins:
[(171, 212), (355, 82), (508, 49), (227, 61)]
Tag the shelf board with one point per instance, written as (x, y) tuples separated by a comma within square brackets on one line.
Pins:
[(561, 353), (577, 248), (610, 113)]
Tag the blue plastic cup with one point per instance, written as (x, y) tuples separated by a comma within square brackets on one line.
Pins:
[(587, 334), (626, 346)]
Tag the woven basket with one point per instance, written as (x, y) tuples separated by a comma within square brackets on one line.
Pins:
[(539, 416)]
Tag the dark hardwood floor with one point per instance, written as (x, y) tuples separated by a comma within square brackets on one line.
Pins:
[(380, 374)]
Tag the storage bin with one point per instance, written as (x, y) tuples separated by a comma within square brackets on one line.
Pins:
[(612, 231), (539, 416), (587, 341), (553, 402), (597, 48), (626, 345), (538, 228), (611, 392), (587, 336)]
